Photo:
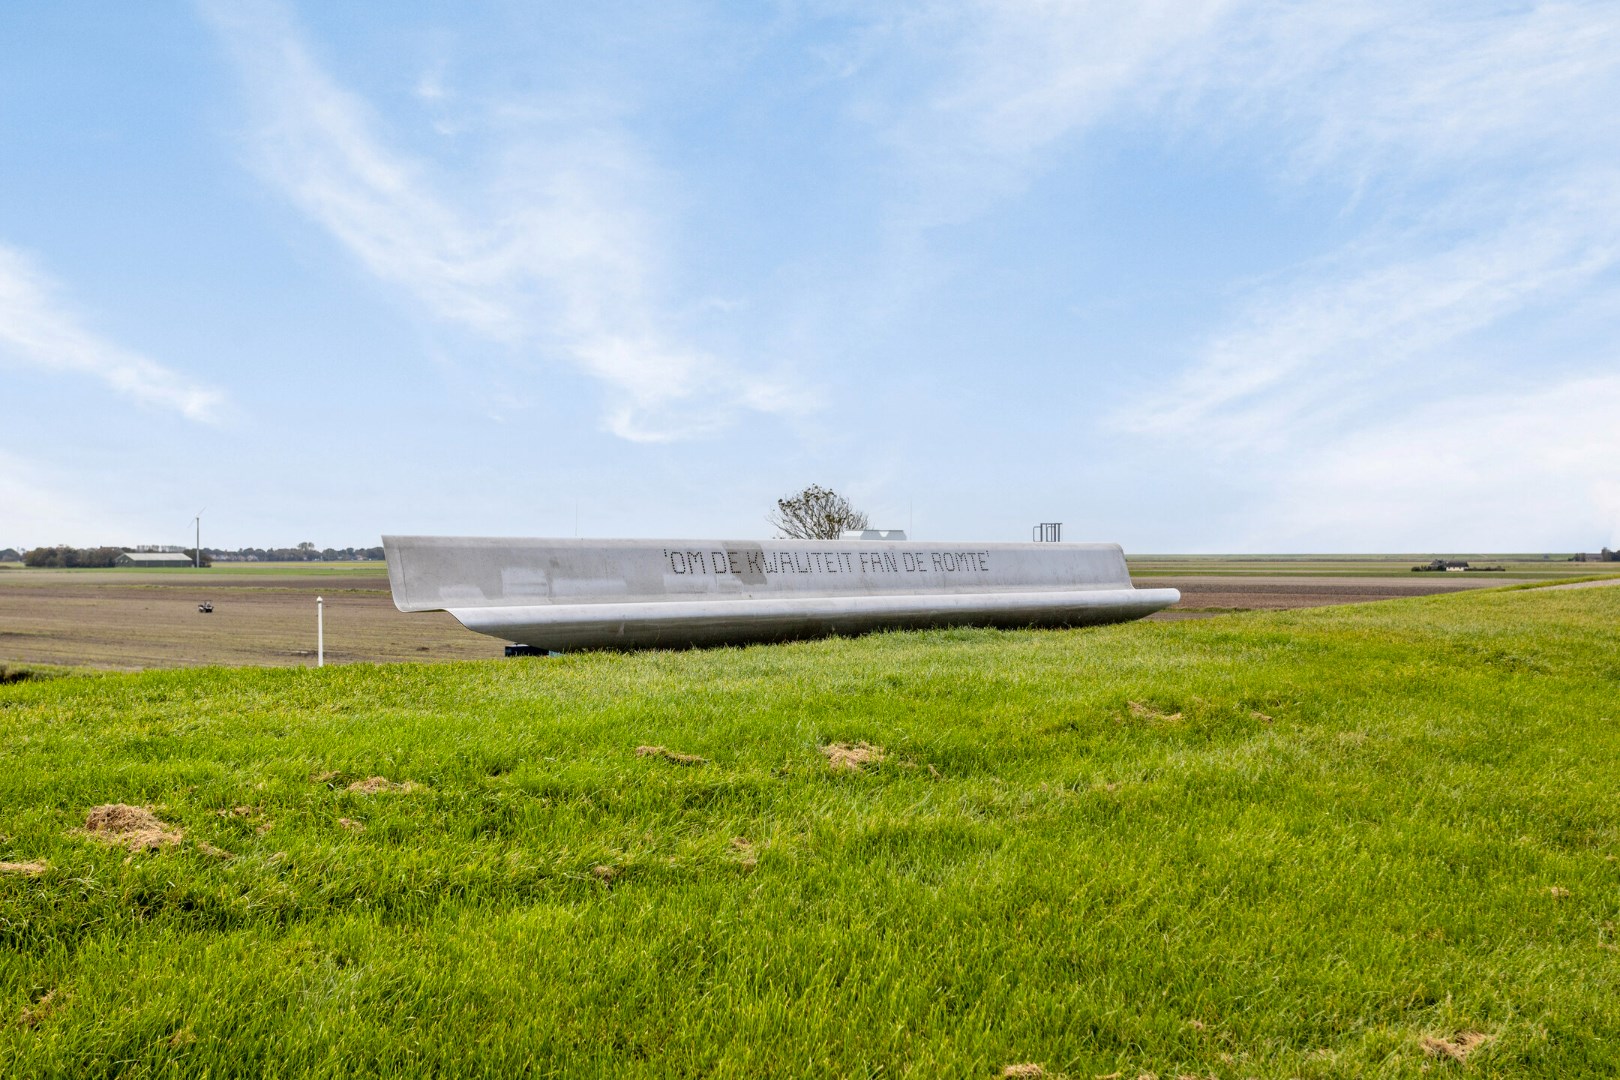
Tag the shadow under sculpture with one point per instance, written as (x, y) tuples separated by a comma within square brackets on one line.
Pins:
[(559, 594)]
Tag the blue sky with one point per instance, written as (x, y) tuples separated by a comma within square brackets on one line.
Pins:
[(1201, 275)]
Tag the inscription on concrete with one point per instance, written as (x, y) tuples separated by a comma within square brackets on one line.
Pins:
[(759, 563)]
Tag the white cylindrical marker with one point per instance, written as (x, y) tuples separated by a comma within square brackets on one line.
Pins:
[(320, 632)]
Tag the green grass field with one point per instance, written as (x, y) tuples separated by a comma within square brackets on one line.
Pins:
[(1277, 845)]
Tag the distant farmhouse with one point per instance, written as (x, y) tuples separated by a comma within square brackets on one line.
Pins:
[(153, 558), (1596, 556), (1454, 566)]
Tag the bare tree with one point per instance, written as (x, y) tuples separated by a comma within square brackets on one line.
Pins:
[(815, 514)]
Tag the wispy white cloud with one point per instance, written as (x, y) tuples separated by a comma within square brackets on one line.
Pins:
[(1018, 78), (552, 251), (1309, 353), (39, 508), (1483, 144), (1489, 134), (1385, 86), (1528, 469), (38, 331), (1405, 88)]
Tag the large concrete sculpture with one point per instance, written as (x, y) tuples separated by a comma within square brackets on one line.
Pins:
[(585, 594)]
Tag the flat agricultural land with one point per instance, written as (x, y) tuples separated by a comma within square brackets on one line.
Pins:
[(1371, 840), (265, 614), (1514, 567), (1222, 584)]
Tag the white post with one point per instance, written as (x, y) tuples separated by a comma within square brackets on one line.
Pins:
[(320, 632)]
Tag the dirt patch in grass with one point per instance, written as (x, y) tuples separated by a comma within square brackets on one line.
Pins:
[(238, 811), (1456, 1048), (670, 755), (133, 827), (378, 785), (1143, 711), (213, 852), (26, 869), (352, 825), (52, 1001), (1023, 1070), (605, 874), (843, 756)]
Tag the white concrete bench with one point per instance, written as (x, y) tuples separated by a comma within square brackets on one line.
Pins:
[(583, 594)]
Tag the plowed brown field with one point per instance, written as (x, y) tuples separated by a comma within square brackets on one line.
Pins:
[(1203, 596), (151, 620), (266, 615)]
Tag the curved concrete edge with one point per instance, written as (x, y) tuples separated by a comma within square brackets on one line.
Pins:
[(560, 627)]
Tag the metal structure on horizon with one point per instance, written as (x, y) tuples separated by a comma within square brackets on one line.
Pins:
[(562, 594)]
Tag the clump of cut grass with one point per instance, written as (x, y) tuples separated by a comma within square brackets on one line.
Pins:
[(52, 1001), (26, 869), (381, 785), (134, 827), (671, 756), (1457, 1048), (9, 675), (1024, 1070), (352, 825), (213, 852), (1143, 711), (843, 756)]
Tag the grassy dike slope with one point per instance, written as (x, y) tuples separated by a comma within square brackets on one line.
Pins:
[(1295, 844)]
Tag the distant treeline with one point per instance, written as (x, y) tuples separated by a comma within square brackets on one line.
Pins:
[(305, 552), (71, 556), (63, 556)]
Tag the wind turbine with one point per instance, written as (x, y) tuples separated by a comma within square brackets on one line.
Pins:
[(198, 551)]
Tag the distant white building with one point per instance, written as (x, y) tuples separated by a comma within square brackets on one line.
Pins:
[(153, 559)]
